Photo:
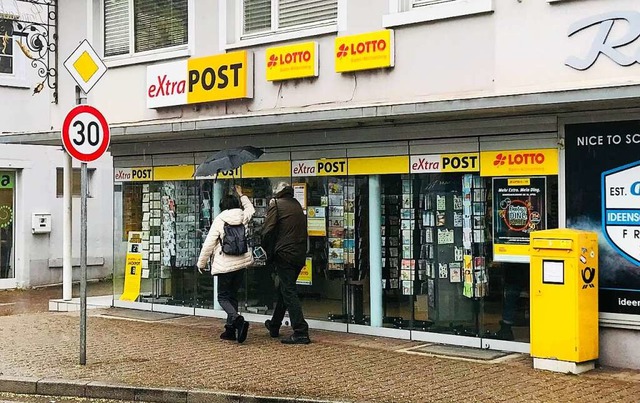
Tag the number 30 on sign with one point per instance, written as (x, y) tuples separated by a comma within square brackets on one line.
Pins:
[(85, 133)]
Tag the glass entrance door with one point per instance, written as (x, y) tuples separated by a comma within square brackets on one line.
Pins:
[(7, 180)]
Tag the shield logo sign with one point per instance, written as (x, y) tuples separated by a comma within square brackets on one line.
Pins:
[(621, 210)]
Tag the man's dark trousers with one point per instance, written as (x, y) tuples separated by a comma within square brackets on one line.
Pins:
[(288, 299)]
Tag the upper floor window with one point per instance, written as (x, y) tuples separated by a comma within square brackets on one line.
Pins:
[(260, 17), (136, 26), (403, 12), (420, 3), (6, 47)]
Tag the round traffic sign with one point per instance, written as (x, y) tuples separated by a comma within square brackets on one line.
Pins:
[(85, 133)]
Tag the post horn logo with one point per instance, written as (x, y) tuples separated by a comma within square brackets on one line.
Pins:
[(500, 160), (342, 51), (273, 61), (588, 274)]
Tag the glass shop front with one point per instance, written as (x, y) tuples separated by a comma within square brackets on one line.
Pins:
[(430, 244)]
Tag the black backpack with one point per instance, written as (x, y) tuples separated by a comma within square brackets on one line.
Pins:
[(234, 241)]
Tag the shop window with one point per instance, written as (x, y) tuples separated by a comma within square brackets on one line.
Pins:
[(12, 66), (75, 182), (137, 26), (6, 47), (266, 21), (403, 12)]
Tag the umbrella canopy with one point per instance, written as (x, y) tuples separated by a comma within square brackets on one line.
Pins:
[(227, 160)]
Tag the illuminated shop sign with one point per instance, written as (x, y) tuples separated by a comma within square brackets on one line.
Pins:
[(292, 61), (323, 167), (465, 162), (204, 79), (519, 162), (373, 50), (141, 174)]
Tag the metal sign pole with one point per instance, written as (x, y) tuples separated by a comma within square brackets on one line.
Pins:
[(83, 264)]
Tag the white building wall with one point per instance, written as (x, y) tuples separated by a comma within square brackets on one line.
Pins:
[(38, 258), (37, 255), (520, 47)]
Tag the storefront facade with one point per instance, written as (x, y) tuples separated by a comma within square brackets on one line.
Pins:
[(428, 266), (426, 141)]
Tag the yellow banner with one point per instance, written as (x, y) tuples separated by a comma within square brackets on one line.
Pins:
[(519, 162), (463, 162), (233, 174), (133, 267), (220, 77), (173, 173), (142, 174), (270, 169), (306, 275), (372, 50), (330, 167), (292, 61), (379, 165)]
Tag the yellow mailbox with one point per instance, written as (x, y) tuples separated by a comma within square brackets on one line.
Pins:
[(564, 300)]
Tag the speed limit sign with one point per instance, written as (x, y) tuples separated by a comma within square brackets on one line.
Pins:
[(85, 133)]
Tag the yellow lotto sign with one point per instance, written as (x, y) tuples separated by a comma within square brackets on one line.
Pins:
[(292, 61), (220, 77), (519, 162), (306, 274), (373, 50)]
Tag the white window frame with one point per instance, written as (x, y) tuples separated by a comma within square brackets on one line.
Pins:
[(151, 55), (433, 12), (17, 79), (290, 33)]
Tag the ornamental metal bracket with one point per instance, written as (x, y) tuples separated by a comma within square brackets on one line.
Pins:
[(37, 37)]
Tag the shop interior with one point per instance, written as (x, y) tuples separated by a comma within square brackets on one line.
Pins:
[(438, 271)]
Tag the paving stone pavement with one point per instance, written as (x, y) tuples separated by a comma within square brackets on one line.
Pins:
[(186, 352)]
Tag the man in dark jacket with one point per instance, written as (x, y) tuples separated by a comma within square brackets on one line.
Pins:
[(285, 237)]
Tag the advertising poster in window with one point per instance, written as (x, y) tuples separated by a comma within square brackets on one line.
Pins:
[(602, 165), (519, 208), (316, 221)]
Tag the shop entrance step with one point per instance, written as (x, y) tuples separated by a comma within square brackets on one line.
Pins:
[(137, 315), (459, 352)]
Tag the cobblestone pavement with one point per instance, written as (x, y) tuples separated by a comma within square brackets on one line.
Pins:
[(186, 352)]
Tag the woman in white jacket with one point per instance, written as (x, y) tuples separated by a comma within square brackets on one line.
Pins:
[(228, 268)]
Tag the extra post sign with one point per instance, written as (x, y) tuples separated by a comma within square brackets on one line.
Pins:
[(85, 133)]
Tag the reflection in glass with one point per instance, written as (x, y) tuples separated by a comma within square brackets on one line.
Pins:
[(6, 225)]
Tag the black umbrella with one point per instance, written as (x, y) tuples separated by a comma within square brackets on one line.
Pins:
[(227, 160)]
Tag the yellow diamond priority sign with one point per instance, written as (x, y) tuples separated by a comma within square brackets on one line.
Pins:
[(85, 66)]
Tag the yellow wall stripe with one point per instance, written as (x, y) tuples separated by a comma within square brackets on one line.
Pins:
[(270, 169), (173, 173), (379, 165)]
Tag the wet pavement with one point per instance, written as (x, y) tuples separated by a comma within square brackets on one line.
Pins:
[(13, 398), (186, 352), (14, 302)]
